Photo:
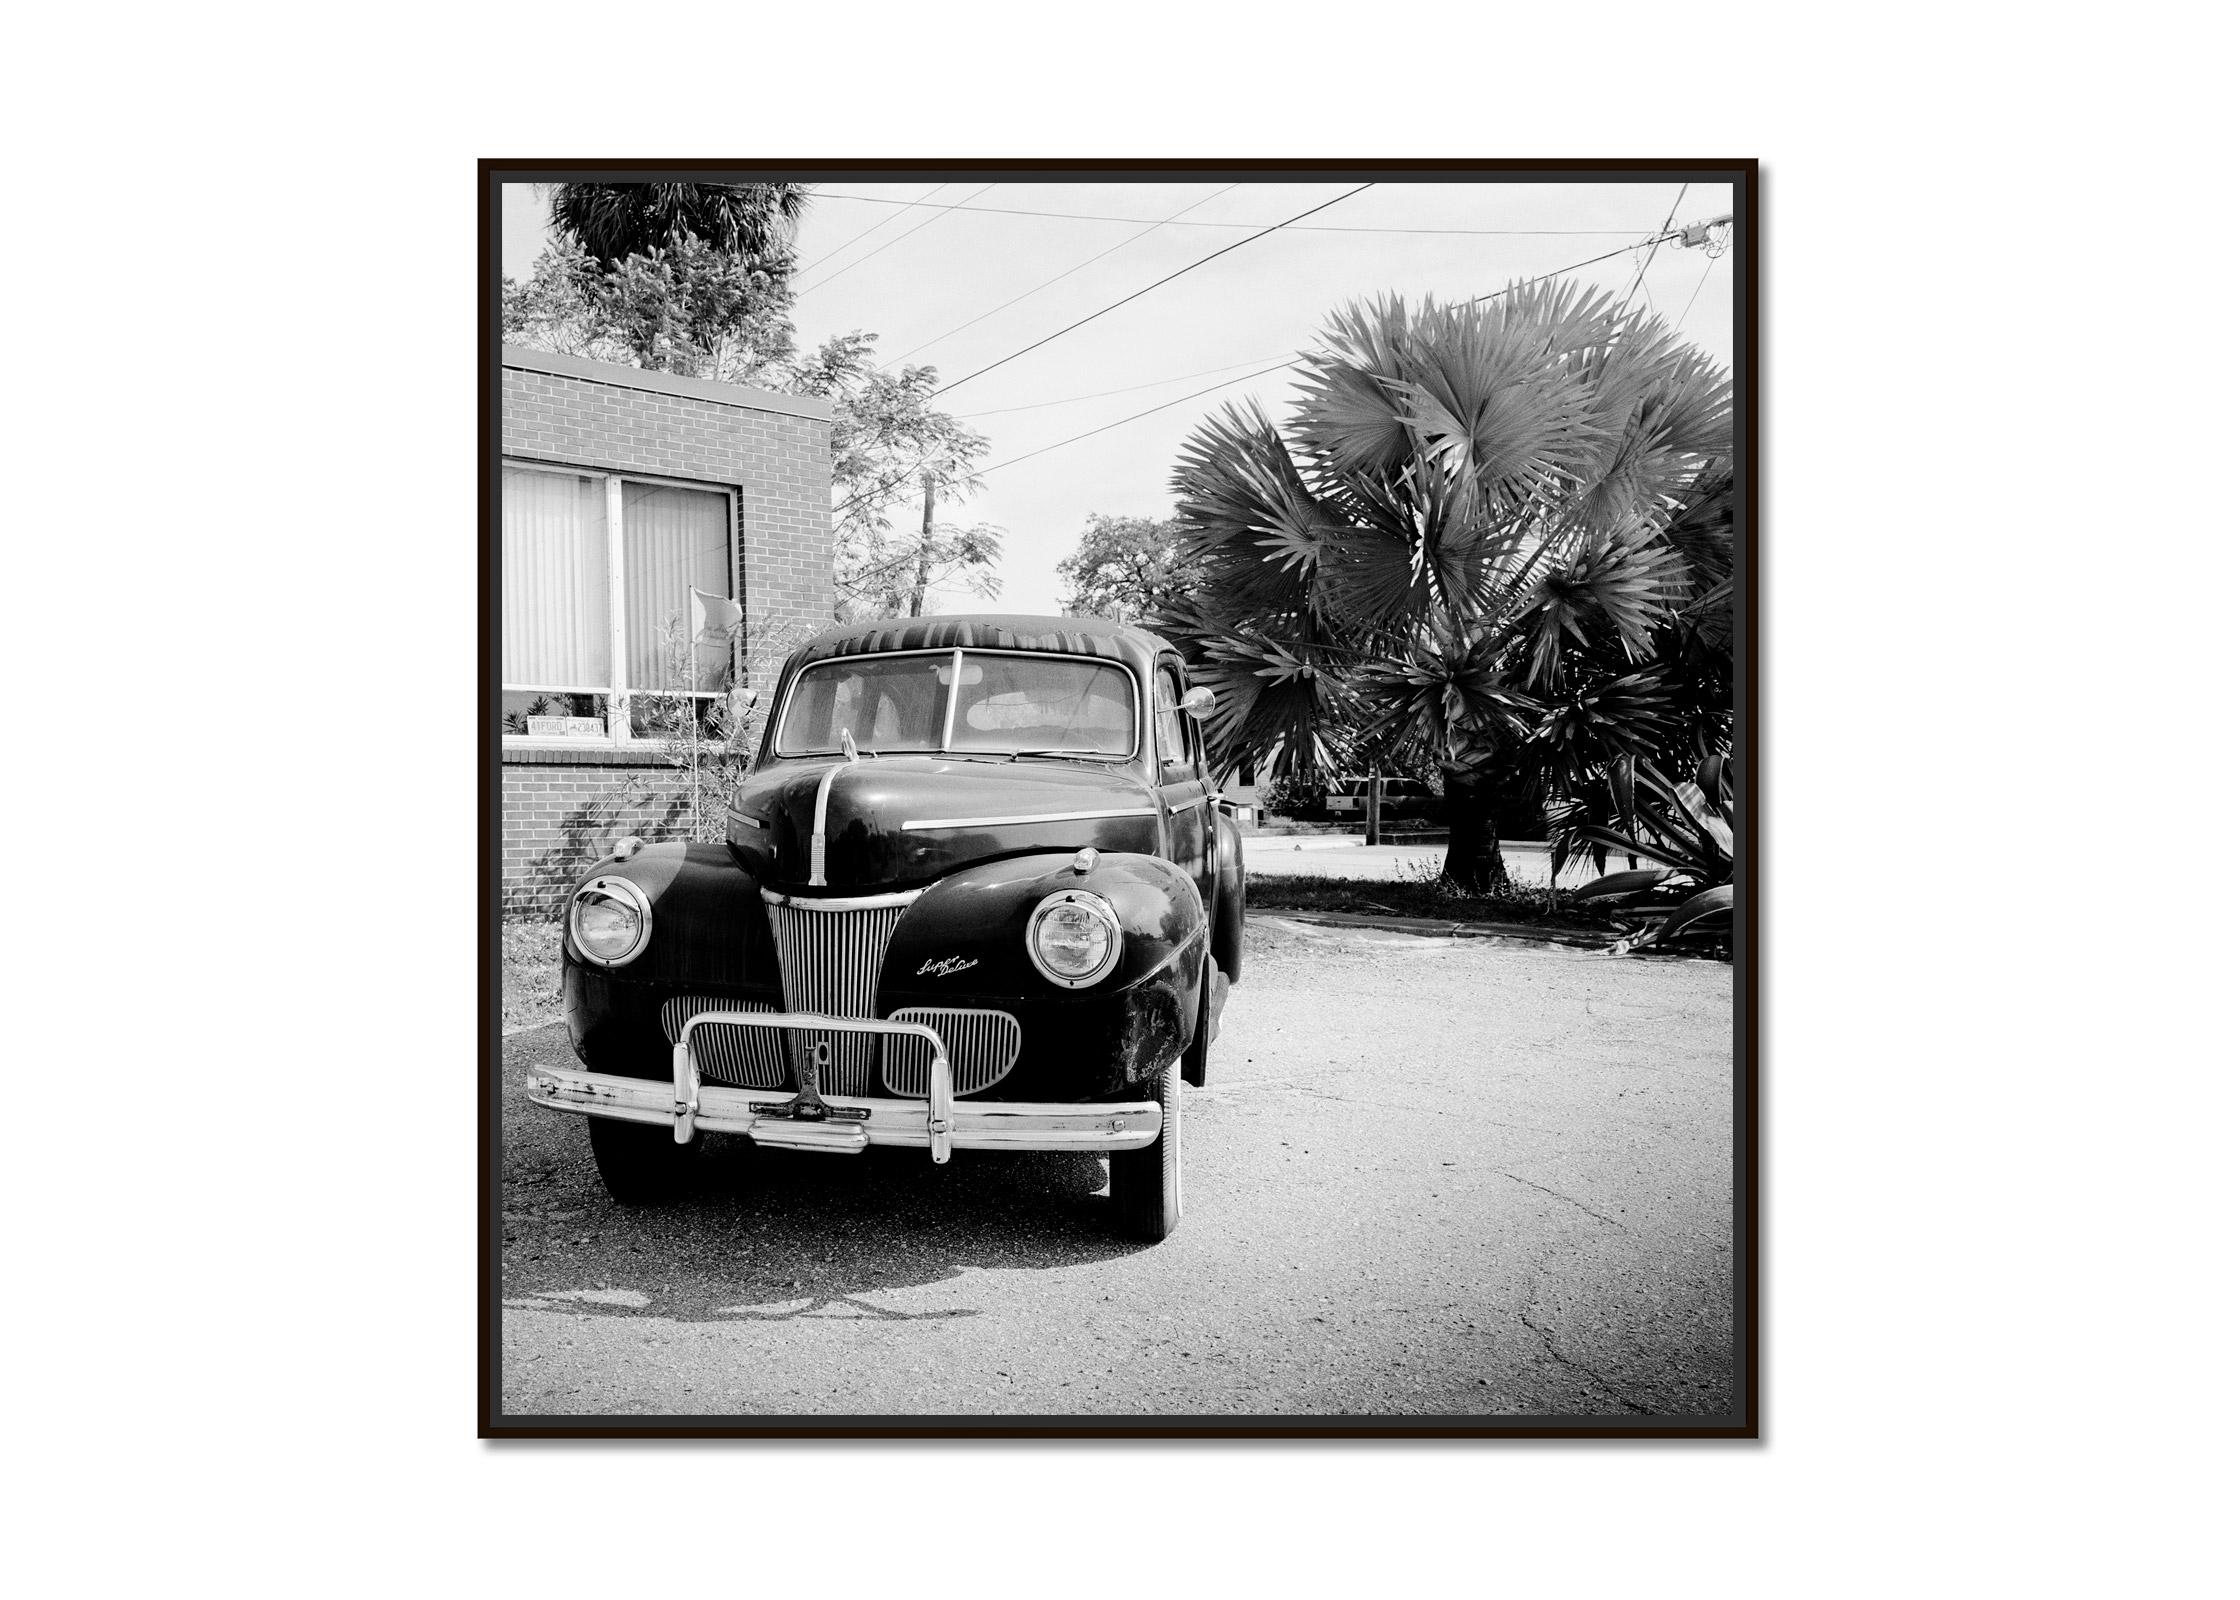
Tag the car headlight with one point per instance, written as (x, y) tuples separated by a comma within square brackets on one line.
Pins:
[(610, 921), (1073, 938)]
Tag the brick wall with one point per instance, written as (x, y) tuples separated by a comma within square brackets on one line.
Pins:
[(774, 453), (564, 808)]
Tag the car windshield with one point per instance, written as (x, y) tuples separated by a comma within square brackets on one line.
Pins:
[(1004, 705)]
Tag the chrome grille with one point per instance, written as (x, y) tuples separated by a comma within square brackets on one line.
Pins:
[(749, 1058), (829, 954), (981, 1047)]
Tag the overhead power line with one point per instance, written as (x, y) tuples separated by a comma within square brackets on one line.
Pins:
[(1668, 234), (1663, 234), (1147, 411), (1069, 272), (858, 498), (938, 213), (1681, 321), (1133, 388), (907, 206), (1289, 361), (1327, 227), (1147, 288)]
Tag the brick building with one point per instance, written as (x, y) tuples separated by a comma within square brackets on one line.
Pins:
[(623, 492)]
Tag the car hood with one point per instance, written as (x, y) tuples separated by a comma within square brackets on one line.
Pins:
[(895, 822)]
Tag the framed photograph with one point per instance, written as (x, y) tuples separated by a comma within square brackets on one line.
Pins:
[(1119, 798)]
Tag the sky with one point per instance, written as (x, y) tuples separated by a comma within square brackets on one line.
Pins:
[(916, 275)]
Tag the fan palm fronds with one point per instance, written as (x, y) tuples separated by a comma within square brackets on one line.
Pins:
[(1489, 534)]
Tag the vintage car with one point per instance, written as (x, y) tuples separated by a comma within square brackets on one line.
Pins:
[(975, 894)]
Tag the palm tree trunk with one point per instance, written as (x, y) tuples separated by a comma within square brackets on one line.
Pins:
[(1473, 847)]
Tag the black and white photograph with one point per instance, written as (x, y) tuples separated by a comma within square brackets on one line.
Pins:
[(1118, 798)]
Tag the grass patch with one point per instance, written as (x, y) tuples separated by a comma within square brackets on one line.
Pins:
[(530, 949)]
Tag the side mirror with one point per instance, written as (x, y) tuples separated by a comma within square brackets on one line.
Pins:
[(1198, 702)]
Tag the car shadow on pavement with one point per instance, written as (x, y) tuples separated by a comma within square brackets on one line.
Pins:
[(777, 1235)]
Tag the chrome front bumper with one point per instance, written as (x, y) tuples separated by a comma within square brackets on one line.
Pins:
[(843, 1123)]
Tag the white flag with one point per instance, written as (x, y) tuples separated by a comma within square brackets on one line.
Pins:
[(711, 613)]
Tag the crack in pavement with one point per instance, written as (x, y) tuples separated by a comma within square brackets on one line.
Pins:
[(1548, 1343), (1566, 1199), (1536, 1274)]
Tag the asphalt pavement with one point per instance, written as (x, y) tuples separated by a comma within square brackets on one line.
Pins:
[(1427, 1176)]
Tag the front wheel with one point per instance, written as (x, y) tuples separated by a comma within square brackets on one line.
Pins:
[(1147, 1183), (641, 1163)]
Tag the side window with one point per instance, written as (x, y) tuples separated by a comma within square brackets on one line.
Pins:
[(1166, 722)]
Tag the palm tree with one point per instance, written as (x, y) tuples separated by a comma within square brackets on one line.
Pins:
[(1460, 552), (613, 221)]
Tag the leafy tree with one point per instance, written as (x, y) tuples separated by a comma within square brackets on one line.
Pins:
[(686, 307), (1128, 568), (891, 449), (1487, 539), (611, 222)]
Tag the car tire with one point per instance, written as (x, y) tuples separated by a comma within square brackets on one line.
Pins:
[(1147, 1183), (1195, 1058), (641, 1163)]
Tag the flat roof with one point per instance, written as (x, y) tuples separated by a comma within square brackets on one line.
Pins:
[(617, 376)]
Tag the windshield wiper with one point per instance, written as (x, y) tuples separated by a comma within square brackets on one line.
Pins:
[(1016, 754)]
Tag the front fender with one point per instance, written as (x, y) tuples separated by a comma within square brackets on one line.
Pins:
[(964, 943), (708, 925), (709, 937), (968, 932)]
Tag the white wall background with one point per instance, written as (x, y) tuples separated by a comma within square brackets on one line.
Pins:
[(1999, 1101)]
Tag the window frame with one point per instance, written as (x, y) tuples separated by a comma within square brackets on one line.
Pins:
[(1193, 731), (618, 735), (1176, 684), (775, 730)]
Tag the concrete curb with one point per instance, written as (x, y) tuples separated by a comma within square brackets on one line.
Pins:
[(1443, 927)]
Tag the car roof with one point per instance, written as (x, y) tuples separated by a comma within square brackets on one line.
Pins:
[(1076, 636)]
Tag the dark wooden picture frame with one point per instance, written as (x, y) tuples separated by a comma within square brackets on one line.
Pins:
[(1743, 1421)]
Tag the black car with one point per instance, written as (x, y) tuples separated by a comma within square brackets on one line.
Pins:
[(976, 894)]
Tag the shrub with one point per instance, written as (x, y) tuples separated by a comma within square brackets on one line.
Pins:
[(1300, 795)]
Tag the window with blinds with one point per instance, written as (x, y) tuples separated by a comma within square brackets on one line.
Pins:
[(597, 618)]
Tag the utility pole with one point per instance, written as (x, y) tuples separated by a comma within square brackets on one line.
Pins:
[(925, 554), (1375, 805)]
